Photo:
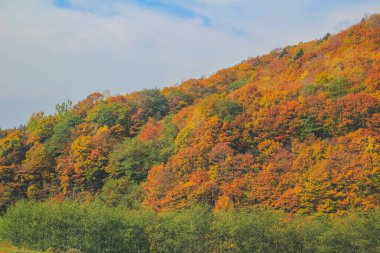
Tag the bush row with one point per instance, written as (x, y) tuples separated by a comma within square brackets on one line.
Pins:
[(96, 228)]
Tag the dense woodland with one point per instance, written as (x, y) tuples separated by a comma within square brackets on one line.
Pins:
[(296, 130)]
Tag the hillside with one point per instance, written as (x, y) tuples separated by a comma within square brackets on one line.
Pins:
[(297, 129)]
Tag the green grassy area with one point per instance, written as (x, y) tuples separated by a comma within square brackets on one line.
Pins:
[(7, 248)]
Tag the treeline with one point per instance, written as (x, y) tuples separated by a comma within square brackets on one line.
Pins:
[(296, 129), (96, 228)]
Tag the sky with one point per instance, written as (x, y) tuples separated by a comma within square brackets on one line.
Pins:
[(54, 50)]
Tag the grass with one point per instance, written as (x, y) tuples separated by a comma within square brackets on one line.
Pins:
[(7, 248)]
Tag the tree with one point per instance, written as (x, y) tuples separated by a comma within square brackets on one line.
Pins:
[(38, 171), (12, 148), (61, 133), (63, 108), (299, 54), (338, 88), (40, 127)]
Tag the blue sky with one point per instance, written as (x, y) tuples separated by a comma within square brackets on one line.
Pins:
[(54, 50), (166, 7)]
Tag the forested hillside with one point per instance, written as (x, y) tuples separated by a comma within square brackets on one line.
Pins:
[(297, 129)]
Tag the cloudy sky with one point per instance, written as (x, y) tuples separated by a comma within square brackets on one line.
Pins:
[(54, 50)]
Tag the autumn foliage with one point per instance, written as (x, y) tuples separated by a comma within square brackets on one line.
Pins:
[(296, 129)]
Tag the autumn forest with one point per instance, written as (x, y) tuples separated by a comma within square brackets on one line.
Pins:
[(280, 153)]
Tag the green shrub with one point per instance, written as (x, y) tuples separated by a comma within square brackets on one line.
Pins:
[(250, 230), (69, 225), (338, 87), (75, 227), (182, 231)]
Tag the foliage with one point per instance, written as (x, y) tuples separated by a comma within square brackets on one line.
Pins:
[(134, 157), (338, 88), (59, 227), (61, 132), (295, 130), (122, 192), (299, 54), (68, 225)]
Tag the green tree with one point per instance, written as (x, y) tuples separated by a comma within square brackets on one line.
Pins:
[(338, 87), (61, 133), (299, 54)]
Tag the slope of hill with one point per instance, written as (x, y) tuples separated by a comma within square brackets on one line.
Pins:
[(296, 129)]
